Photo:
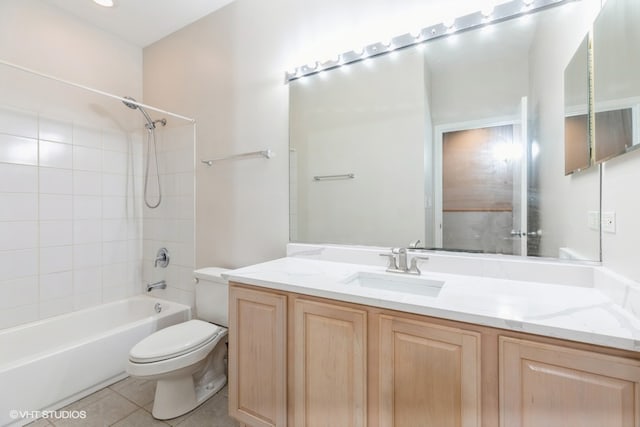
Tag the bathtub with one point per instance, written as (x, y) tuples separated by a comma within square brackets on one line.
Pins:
[(50, 363)]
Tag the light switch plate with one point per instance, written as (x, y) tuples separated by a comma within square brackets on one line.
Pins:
[(609, 222)]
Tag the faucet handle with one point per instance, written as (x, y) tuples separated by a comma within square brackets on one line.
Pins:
[(414, 244), (414, 264), (392, 265)]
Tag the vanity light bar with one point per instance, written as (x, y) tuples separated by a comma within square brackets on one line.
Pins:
[(501, 12)]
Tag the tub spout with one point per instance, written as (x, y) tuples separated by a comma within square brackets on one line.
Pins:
[(157, 285)]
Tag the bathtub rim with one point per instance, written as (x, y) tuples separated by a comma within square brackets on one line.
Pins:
[(174, 307)]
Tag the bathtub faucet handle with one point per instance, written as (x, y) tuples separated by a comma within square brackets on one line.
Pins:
[(162, 258)]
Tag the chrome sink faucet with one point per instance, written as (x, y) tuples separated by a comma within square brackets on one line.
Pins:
[(398, 261)]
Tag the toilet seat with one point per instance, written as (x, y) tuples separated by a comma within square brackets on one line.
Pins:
[(175, 341)]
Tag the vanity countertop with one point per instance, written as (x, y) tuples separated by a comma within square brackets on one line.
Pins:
[(575, 313)]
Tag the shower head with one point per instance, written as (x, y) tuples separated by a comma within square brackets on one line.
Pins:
[(130, 104), (150, 123)]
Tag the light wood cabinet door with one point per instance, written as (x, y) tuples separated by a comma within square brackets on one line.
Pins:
[(552, 386), (428, 375), (329, 381), (257, 357)]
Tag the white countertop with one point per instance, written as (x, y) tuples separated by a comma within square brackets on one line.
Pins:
[(575, 313)]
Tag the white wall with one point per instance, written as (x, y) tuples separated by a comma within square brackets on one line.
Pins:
[(70, 229), (42, 37)]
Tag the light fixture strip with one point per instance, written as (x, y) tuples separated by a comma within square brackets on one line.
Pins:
[(501, 12)]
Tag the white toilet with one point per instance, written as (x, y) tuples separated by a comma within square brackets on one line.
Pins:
[(187, 359)]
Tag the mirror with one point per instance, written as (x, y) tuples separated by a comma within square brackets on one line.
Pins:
[(577, 144), (616, 37), (454, 142)]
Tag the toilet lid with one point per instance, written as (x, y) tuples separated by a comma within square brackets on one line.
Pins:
[(174, 341)]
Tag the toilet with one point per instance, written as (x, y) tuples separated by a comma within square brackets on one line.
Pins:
[(188, 359)]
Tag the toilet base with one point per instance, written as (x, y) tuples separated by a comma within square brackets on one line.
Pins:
[(177, 396), (185, 389)]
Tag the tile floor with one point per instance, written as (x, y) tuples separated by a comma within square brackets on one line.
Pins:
[(128, 403)]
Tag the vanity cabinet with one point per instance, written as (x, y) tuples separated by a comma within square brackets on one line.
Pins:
[(421, 373), (555, 386), (329, 364), (429, 375), (257, 357), (304, 361)]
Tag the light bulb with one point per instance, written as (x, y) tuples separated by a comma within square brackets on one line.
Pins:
[(104, 3)]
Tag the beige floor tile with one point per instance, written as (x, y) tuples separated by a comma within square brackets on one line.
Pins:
[(40, 423), (213, 413), (140, 418), (102, 408), (141, 392)]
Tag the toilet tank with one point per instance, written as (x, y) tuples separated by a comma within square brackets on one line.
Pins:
[(212, 295)]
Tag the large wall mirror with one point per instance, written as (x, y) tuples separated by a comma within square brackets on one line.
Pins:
[(457, 142)]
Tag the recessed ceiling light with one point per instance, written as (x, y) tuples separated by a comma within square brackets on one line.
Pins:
[(105, 3)]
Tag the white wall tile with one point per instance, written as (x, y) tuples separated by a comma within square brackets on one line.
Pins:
[(18, 263), (113, 141), (18, 316), (55, 307), (87, 183), (56, 155), (56, 233), (115, 185), (87, 137), (115, 252), (55, 259), (18, 235), (56, 207), (114, 229), (56, 181), (87, 231), (88, 255), (87, 299), (18, 292), (114, 207), (18, 123), (114, 162), (14, 149), (87, 280), (56, 285), (18, 207), (114, 293), (176, 161), (178, 184), (87, 207), (18, 178), (55, 130), (88, 159), (114, 275)]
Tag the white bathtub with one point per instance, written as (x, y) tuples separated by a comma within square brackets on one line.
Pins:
[(47, 364)]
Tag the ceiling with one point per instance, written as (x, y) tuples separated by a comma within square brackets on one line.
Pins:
[(141, 22)]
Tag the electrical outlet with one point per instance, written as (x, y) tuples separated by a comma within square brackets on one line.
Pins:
[(593, 220), (609, 222)]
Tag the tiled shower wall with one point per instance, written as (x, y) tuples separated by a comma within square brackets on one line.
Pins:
[(70, 216), (171, 225)]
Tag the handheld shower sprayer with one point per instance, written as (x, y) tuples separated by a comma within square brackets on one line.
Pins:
[(151, 137)]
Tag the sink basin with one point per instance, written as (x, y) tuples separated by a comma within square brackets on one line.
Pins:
[(416, 285)]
